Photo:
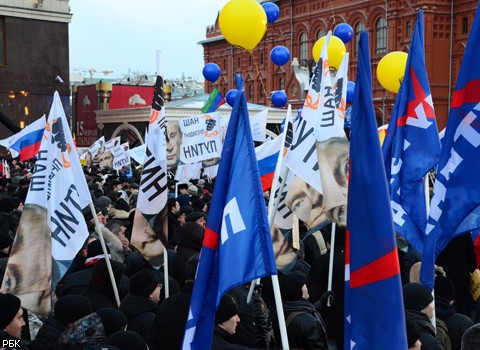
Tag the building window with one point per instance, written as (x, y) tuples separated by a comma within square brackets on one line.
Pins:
[(359, 28), (408, 29), (261, 58), (381, 36), (303, 47), (238, 62), (250, 92), (262, 95), (464, 25), (321, 33), (2, 41), (224, 64), (281, 84), (250, 60)]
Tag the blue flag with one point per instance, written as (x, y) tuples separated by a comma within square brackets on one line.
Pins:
[(456, 195), (237, 247), (411, 147), (374, 303)]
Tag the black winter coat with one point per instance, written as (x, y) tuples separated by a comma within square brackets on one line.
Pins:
[(140, 313), (456, 323), (427, 331), (48, 335), (24, 344), (221, 340)]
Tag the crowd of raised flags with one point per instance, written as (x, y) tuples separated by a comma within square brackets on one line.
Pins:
[(383, 194)]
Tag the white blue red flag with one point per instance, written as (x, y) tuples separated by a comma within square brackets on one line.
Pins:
[(27, 142), (456, 194), (411, 146), (373, 297), (267, 157), (237, 247)]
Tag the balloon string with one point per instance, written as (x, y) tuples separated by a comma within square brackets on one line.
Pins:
[(261, 80), (333, 14)]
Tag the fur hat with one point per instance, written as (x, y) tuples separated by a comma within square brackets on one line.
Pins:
[(71, 308), (291, 285), (226, 310), (416, 296), (192, 190), (9, 304), (143, 283)]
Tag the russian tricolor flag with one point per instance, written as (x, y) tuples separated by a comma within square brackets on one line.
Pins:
[(267, 156), (27, 142)]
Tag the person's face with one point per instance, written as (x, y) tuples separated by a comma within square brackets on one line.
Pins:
[(416, 346), (429, 310), (333, 158), (175, 208), (105, 159), (121, 236), (230, 325), (181, 219), (101, 218), (174, 139), (202, 222), (88, 159), (284, 254), (155, 296), (14, 328), (305, 203)]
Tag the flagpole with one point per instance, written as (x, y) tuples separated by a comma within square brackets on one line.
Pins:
[(426, 187), (105, 252), (165, 271), (332, 253)]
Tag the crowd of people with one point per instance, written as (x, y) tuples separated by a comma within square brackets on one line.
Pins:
[(85, 313)]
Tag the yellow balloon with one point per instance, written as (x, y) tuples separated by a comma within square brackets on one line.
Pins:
[(391, 69), (336, 50), (243, 23)]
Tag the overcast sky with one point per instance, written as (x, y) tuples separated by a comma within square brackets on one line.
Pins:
[(120, 35)]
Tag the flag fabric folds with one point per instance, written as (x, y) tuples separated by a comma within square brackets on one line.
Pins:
[(237, 247), (52, 224), (215, 100), (27, 142), (267, 157), (411, 146), (373, 300), (456, 194)]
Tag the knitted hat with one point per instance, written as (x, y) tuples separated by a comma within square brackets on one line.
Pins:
[(416, 296), (444, 288), (192, 190), (291, 285), (103, 202), (182, 186), (413, 334), (183, 200), (5, 240), (71, 308), (127, 340), (201, 183), (113, 320), (192, 217), (143, 283), (95, 248), (226, 310), (9, 304), (471, 338)]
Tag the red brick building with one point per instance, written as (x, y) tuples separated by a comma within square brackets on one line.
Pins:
[(390, 25)]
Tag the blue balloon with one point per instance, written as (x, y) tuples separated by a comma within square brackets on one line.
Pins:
[(230, 96), (279, 98), (350, 91), (272, 11), (344, 32), (280, 55), (211, 72)]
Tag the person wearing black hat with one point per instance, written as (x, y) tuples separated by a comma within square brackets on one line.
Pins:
[(418, 303), (456, 323), (141, 304), (198, 217), (67, 310), (11, 322), (191, 239), (127, 340), (305, 326), (471, 338), (226, 321), (413, 336)]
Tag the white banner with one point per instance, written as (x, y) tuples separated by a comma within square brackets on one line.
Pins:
[(112, 143), (96, 146), (120, 156), (201, 138), (258, 123), (138, 153)]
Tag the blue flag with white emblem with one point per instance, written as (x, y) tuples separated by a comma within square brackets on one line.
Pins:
[(456, 194), (373, 292), (237, 247), (411, 147)]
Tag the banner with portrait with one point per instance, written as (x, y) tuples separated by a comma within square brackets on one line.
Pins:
[(201, 138), (121, 158)]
